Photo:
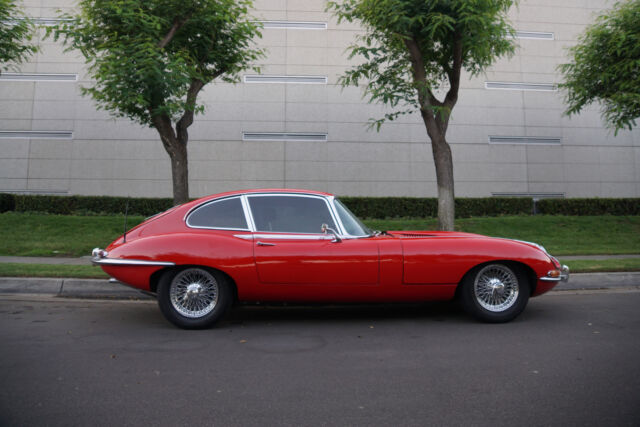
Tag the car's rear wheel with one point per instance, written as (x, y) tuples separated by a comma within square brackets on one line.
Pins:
[(495, 292), (194, 297)]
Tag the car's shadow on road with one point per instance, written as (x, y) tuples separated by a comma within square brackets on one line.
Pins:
[(344, 313)]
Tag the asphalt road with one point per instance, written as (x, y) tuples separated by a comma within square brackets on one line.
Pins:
[(573, 358)]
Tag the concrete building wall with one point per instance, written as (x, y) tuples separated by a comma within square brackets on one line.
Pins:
[(504, 140)]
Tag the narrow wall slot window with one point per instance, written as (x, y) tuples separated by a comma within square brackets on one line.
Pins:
[(259, 78), (535, 140), (532, 195), (300, 25), (537, 35), (39, 77), (284, 136), (545, 87), (35, 134)]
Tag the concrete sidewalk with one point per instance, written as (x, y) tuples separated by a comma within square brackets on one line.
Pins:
[(72, 288), (101, 288)]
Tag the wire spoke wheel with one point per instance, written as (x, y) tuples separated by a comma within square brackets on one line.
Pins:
[(194, 292), (496, 288)]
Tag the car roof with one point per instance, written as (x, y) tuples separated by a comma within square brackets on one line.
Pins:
[(261, 191)]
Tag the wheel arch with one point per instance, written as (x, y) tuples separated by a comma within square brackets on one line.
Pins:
[(154, 280), (526, 269)]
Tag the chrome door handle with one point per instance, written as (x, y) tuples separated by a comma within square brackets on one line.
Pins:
[(259, 243)]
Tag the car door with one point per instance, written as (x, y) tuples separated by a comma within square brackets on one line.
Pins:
[(289, 247)]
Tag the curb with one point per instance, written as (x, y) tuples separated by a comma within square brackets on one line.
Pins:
[(69, 288), (103, 289), (582, 281)]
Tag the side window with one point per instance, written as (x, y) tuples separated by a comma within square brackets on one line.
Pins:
[(290, 214), (225, 213)]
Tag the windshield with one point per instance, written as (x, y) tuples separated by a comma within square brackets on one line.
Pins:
[(352, 224)]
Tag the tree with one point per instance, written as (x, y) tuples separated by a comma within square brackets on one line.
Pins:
[(16, 32), (412, 49), (605, 67), (151, 58)]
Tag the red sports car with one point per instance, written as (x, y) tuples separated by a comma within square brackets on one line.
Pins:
[(304, 246)]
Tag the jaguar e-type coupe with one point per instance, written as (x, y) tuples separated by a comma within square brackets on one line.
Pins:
[(306, 246)]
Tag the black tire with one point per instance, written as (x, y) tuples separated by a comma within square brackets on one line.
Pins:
[(193, 297), (495, 292)]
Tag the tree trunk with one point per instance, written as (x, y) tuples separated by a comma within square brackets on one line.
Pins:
[(177, 150), (444, 176), (180, 174), (443, 161)]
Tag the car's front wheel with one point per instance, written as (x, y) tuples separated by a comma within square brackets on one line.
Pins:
[(193, 298), (495, 292)]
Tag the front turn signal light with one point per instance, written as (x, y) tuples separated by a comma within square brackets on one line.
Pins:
[(553, 273)]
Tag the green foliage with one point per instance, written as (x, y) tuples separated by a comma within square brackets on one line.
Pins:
[(7, 202), (363, 207), (84, 205), (416, 207), (480, 27), (16, 33), (606, 67), (617, 207), (145, 55)]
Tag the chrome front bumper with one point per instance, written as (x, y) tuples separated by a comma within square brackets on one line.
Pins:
[(553, 275)]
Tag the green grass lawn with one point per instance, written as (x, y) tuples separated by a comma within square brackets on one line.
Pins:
[(560, 235), (47, 270), (594, 266), (25, 234)]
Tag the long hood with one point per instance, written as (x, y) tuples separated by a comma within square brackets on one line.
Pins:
[(426, 234)]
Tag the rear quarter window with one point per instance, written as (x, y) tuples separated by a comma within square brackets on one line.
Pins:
[(225, 214)]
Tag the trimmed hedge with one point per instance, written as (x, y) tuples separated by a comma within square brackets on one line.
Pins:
[(392, 207), (363, 207), (589, 206), (82, 205), (7, 202)]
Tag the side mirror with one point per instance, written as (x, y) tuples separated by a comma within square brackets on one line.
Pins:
[(326, 230)]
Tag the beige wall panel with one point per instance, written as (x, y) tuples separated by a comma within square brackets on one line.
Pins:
[(16, 110), (48, 185), (14, 168), (50, 149), (16, 91), (309, 171), (13, 149), (305, 150), (110, 156), (48, 168)]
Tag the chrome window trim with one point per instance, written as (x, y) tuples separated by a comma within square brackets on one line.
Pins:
[(341, 227), (209, 202), (285, 236), (247, 213), (310, 196), (343, 231)]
